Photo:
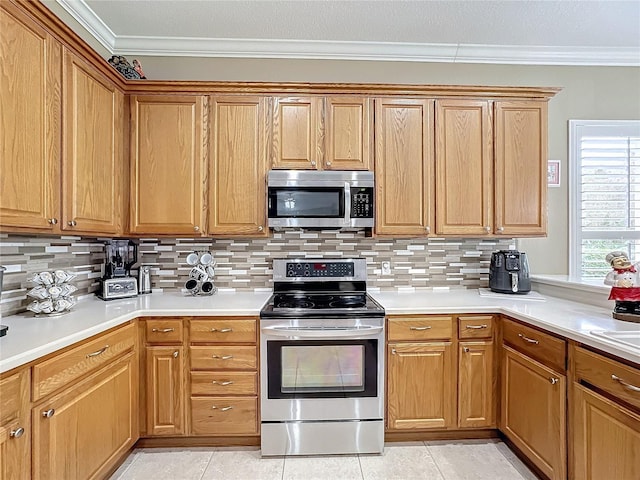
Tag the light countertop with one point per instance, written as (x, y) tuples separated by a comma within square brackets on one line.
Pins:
[(30, 338)]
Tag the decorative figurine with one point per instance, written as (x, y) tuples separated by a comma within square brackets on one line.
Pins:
[(138, 68), (124, 67), (625, 286)]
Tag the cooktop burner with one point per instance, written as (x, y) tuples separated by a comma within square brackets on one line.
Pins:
[(288, 300)]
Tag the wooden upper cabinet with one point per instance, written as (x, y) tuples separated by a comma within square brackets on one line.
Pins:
[(296, 132), (30, 86), (93, 160), (349, 127), (404, 166), (168, 159), (521, 168), (238, 167), (464, 164)]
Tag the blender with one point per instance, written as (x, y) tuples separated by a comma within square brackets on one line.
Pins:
[(117, 282)]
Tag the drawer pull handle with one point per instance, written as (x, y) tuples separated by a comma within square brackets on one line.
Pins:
[(99, 352), (626, 385), (553, 380), (223, 409), (48, 413), (223, 357), (163, 330), (529, 340), (224, 384), (17, 433), (476, 327), (222, 330), (420, 328)]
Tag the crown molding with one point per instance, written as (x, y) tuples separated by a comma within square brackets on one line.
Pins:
[(334, 50)]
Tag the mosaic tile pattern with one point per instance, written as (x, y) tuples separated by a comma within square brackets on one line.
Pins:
[(245, 265)]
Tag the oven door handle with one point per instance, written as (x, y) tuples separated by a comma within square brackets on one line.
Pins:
[(334, 333)]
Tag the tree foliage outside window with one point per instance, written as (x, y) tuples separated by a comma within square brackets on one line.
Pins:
[(604, 193)]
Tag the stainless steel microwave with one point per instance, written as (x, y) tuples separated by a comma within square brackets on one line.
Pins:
[(320, 199)]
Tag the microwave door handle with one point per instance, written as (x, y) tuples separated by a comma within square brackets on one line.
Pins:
[(347, 203)]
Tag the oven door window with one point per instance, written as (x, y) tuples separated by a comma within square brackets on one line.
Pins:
[(306, 202), (322, 369)]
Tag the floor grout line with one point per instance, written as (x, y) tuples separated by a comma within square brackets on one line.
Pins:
[(208, 463)]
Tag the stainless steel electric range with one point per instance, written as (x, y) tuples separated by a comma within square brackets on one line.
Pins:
[(322, 360)]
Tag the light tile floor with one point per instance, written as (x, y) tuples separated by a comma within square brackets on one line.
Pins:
[(433, 460)]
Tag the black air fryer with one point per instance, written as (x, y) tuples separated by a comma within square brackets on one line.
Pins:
[(509, 272)]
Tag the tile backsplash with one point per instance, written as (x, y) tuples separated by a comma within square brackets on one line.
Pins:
[(245, 264)]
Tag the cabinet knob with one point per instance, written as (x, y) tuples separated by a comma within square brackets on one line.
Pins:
[(196, 228), (48, 413), (17, 433), (553, 380), (393, 351), (487, 229), (175, 354), (72, 223), (465, 349), (260, 228), (500, 229), (427, 229), (52, 221), (313, 163), (328, 164)]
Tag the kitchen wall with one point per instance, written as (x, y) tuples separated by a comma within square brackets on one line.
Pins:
[(245, 265), (611, 93)]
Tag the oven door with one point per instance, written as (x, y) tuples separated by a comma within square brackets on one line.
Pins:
[(306, 206), (314, 370)]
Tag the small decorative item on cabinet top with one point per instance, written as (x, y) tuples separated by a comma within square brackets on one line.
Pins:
[(52, 292), (624, 279), (201, 275), (125, 69)]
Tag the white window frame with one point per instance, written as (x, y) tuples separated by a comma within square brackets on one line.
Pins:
[(576, 130)]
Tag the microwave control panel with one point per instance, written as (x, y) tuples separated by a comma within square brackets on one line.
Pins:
[(362, 203)]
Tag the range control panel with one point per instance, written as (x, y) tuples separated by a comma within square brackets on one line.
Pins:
[(320, 269)]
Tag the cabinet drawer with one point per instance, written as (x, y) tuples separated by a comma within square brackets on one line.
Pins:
[(419, 328), (10, 398), (475, 326), (162, 331), (224, 383), (224, 415), (223, 357), (611, 376), (225, 330), (545, 348), (69, 366)]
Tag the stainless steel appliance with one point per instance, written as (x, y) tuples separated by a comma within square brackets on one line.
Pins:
[(321, 360), (120, 256), (509, 272), (144, 279), (320, 199)]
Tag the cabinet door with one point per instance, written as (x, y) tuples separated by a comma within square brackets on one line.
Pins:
[(93, 164), (297, 133), (464, 163), (521, 168), (84, 431), (15, 427), (606, 438), (404, 166), (476, 385), (30, 79), (533, 411), (349, 123), (421, 386), (165, 390), (238, 167), (167, 164)]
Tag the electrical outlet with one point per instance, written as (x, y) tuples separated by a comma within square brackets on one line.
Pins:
[(386, 268)]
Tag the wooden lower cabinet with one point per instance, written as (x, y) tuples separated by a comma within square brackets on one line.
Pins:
[(81, 432), (606, 438), (421, 390), (15, 427), (533, 411), (476, 385), (165, 390)]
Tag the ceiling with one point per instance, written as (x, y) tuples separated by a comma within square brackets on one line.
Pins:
[(566, 32)]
